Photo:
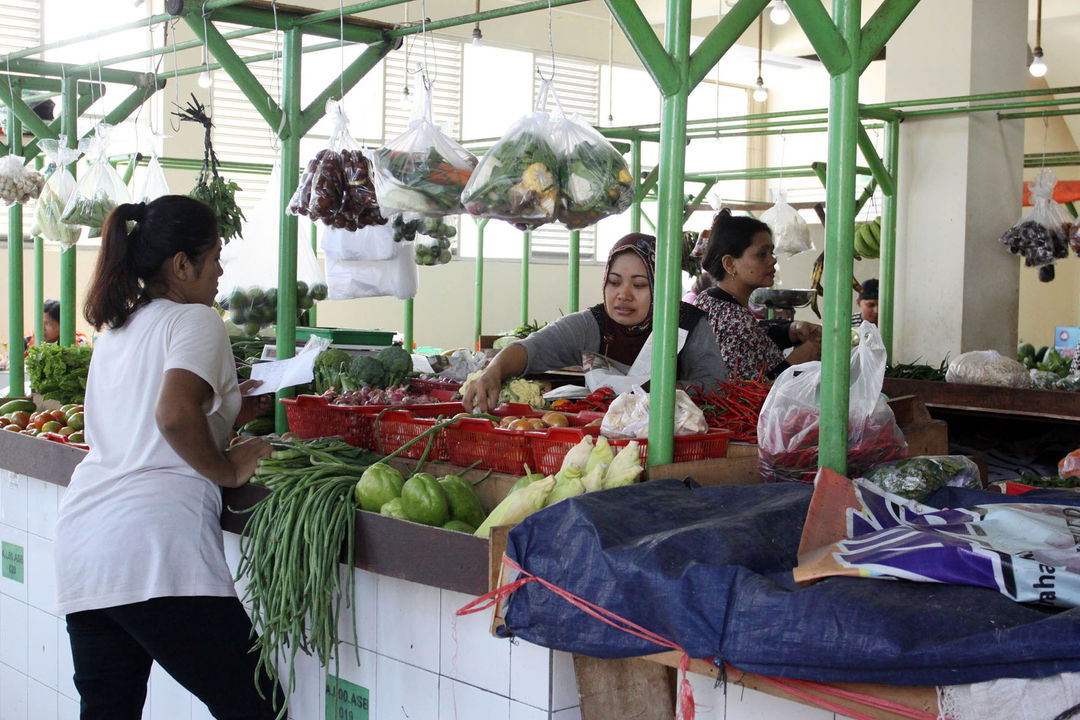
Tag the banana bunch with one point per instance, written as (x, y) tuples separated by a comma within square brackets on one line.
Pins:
[(868, 238)]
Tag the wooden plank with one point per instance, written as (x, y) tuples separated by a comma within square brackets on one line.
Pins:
[(622, 689), (1043, 404)]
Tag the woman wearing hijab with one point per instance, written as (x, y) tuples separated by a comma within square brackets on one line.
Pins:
[(616, 328)]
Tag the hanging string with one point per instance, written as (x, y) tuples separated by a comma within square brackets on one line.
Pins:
[(431, 66), (341, 48), (610, 68), (783, 147), (551, 48), (276, 84), (174, 124), (206, 62)]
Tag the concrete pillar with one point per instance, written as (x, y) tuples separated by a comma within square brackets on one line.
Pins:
[(960, 179)]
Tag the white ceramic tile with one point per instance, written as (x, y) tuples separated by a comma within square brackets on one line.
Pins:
[(459, 701), (66, 708), (41, 701), (573, 713), (13, 493), (40, 573), (65, 667), (14, 687), (468, 651), (530, 674), (42, 650), (167, 699), (564, 690), (404, 691), (365, 604), (41, 508), (14, 638), (9, 587), (521, 711), (362, 673), (308, 696), (407, 614)]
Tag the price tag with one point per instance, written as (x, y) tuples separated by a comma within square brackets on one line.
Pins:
[(345, 701), (13, 564)]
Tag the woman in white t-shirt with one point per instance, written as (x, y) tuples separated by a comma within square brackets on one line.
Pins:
[(140, 564)]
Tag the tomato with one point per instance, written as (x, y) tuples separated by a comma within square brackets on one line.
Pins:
[(21, 419), (34, 416), (76, 421), (58, 416), (12, 428), (65, 431), (51, 426), (36, 424), (67, 408), (76, 437)]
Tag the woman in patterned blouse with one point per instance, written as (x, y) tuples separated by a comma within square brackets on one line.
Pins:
[(740, 257)]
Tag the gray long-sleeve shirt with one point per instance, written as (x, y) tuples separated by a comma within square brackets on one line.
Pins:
[(561, 343)]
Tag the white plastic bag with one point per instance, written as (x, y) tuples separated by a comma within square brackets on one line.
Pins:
[(373, 242), (100, 188), (18, 183), (628, 415), (154, 184), (987, 367), (55, 195), (397, 276), (791, 235), (594, 180)]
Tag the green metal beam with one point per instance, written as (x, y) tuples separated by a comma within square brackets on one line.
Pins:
[(635, 172), (884, 179), (720, 39), (698, 198), (965, 109), (287, 238), (169, 49), (27, 82), (75, 72), (525, 7), (408, 339), (887, 290), (1043, 113), (652, 54), (17, 375), (347, 10), (69, 117), (26, 116), (829, 43), (880, 27), (478, 300), (240, 73), (574, 261), (1072, 208), (648, 183), (350, 76), (68, 42), (526, 255), (880, 114), (257, 17), (83, 104)]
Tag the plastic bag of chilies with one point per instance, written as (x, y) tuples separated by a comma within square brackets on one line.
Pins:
[(55, 195), (18, 183), (422, 170), (100, 189), (1042, 235), (336, 187)]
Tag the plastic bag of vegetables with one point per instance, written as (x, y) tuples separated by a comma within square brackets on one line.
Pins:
[(918, 478), (154, 184), (791, 235), (593, 178), (1042, 235), (987, 367), (422, 170), (336, 188), (18, 183), (100, 188), (54, 197)]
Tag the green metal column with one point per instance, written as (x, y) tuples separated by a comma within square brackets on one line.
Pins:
[(575, 271), (313, 318), (69, 98), (38, 298), (669, 239), (478, 303), (526, 253), (839, 237), (290, 172), (16, 375), (635, 172), (887, 294), (408, 343)]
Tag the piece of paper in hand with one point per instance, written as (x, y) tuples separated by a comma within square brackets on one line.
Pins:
[(287, 373), (610, 374)]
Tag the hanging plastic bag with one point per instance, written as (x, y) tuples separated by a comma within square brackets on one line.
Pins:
[(628, 415), (422, 170), (1042, 235), (397, 277), (517, 179), (987, 367), (594, 180), (154, 184), (789, 421), (18, 183), (433, 250), (55, 195), (336, 188), (791, 235), (374, 242), (100, 189), (248, 287)]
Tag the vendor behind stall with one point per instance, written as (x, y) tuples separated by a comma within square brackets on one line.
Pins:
[(616, 328), (740, 257), (868, 303)]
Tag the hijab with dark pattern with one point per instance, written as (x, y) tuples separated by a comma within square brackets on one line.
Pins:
[(623, 342)]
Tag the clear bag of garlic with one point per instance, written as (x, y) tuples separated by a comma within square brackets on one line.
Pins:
[(18, 183)]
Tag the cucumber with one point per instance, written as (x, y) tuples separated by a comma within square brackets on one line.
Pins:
[(259, 426), (11, 406)]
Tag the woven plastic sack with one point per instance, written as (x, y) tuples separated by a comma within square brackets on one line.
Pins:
[(100, 188), (594, 180), (791, 235), (422, 170), (790, 417), (987, 367), (55, 195), (1042, 234), (18, 183), (154, 184), (336, 188)]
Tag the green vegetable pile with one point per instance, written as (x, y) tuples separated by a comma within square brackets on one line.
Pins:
[(255, 308), (336, 370), (915, 371), (211, 188), (918, 478), (448, 502), (1052, 481), (59, 372), (519, 333), (1049, 369)]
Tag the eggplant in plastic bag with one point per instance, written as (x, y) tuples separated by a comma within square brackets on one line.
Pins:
[(1042, 235)]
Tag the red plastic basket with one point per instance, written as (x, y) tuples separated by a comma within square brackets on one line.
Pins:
[(687, 448), (550, 448), (426, 385), (475, 439), (360, 425), (311, 416), (394, 428)]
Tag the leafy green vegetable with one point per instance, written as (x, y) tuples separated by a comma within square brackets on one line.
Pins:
[(59, 372), (365, 371), (220, 195), (328, 368), (397, 361)]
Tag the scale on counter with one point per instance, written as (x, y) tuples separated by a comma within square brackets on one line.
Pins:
[(786, 299)]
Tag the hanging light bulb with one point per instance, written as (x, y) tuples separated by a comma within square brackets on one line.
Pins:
[(760, 93), (204, 79), (1037, 67), (779, 13), (477, 36)]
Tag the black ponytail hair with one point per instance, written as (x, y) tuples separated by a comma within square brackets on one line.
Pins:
[(129, 259), (729, 235)]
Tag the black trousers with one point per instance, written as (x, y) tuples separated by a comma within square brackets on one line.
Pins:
[(204, 643)]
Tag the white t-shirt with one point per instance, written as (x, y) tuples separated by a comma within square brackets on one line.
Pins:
[(137, 522)]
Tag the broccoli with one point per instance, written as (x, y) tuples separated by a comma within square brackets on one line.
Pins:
[(328, 368), (365, 371), (398, 363)]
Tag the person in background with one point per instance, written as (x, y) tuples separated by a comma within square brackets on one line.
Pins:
[(740, 257), (50, 320), (702, 282), (616, 328), (868, 303), (140, 564)]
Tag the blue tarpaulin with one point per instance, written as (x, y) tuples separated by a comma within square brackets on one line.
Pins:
[(710, 569)]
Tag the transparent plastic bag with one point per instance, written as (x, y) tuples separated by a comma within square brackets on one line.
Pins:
[(918, 478), (395, 277), (422, 170), (789, 421), (54, 197), (154, 184), (987, 367), (336, 188), (248, 287), (18, 183), (1042, 234), (594, 180), (100, 189), (791, 235)]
